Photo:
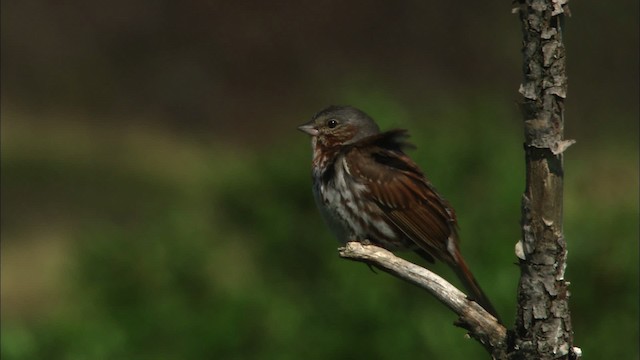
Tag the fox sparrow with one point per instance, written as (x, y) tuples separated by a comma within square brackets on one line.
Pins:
[(369, 190)]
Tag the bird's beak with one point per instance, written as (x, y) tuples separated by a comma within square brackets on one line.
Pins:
[(308, 128)]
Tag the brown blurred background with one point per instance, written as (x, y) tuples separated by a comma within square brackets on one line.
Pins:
[(126, 122), (223, 69)]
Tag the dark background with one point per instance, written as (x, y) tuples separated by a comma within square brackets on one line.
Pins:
[(156, 198)]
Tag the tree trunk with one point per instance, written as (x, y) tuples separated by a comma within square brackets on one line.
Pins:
[(543, 324)]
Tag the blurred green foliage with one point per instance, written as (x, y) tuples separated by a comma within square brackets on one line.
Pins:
[(233, 262)]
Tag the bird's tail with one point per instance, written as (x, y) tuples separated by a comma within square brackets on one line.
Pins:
[(471, 284)]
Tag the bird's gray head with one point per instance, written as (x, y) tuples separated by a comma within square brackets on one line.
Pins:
[(340, 125)]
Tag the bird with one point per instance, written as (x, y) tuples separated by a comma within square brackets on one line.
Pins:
[(368, 190)]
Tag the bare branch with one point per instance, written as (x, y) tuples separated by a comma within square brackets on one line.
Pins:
[(481, 325)]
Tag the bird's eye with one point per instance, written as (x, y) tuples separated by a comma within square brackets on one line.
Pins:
[(332, 123)]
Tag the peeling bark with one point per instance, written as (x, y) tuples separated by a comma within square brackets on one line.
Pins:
[(543, 324)]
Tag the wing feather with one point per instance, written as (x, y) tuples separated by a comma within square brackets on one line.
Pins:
[(400, 189)]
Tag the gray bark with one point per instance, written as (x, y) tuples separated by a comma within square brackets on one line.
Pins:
[(543, 324)]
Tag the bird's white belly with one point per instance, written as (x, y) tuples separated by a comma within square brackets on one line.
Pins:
[(344, 208)]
